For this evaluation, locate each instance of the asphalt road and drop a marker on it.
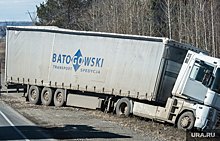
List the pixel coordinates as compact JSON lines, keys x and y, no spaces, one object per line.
{"x":14,"y":126}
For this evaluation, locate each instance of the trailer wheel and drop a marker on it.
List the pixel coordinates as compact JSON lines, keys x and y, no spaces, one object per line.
{"x":47,"y":96}
{"x":123,"y":107}
{"x":59,"y":98}
{"x":34,"y":95}
{"x":186,"y":121}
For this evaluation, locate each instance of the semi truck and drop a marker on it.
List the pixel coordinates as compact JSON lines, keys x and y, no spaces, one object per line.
{"x":150,"y":77}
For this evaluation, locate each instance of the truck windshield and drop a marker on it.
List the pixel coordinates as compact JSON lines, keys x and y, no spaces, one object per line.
{"x":216,"y":84}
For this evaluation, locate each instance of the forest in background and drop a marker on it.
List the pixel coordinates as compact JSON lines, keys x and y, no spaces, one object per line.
{"x":193,"y":22}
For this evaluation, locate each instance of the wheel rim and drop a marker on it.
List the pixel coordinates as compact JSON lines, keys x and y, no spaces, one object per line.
{"x":123,"y":108}
{"x":185,"y":122}
{"x":59,"y":97}
{"x":46,"y":96}
{"x":33,"y":94}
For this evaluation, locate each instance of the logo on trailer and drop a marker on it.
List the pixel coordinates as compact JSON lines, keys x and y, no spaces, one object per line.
{"x":77,"y":61}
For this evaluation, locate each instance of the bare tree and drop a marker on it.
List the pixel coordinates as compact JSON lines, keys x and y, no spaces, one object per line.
{"x":204,"y":25}
{"x":167,"y":6}
{"x":213,"y":32}
{"x":33,"y":17}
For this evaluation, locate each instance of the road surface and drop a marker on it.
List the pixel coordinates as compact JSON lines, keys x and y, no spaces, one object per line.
{"x":14,"y":126}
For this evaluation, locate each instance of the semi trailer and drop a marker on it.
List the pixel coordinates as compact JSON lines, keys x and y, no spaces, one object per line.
{"x":151,"y":77}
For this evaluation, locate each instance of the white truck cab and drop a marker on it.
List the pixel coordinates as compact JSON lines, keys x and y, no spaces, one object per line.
{"x":199,"y":81}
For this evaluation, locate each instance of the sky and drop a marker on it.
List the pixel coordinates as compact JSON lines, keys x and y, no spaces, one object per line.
{"x":16,"y":10}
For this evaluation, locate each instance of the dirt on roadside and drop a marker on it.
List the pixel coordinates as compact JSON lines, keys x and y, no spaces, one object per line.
{"x":145,"y":126}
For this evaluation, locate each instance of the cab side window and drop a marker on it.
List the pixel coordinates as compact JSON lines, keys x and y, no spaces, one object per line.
{"x":199,"y":70}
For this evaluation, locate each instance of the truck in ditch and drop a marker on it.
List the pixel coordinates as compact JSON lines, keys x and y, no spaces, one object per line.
{"x":151,"y":77}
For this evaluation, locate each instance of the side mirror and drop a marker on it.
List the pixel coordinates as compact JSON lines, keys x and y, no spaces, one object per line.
{"x":207,"y":77}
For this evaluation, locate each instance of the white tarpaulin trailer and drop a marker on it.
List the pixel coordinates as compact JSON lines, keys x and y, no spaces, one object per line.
{"x":125,"y":65}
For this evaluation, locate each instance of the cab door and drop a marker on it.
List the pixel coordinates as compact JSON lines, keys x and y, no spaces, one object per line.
{"x":194,"y":87}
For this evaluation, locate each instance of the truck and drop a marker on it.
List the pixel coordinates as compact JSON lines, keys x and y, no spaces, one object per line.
{"x":150,"y":77}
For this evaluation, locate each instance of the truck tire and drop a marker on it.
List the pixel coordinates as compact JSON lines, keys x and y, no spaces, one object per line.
{"x":34,"y":95}
{"x":186,"y":121}
{"x":47,"y":96}
{"x":59,"y":97}
{"x":123,"y":107}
